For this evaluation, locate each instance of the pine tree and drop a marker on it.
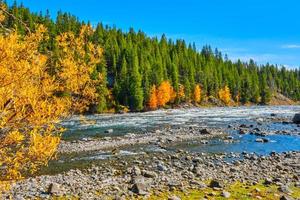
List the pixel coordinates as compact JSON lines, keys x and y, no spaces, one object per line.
{"x":136,"y":97}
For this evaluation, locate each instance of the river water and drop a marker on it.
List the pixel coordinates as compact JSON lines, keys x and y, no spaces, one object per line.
{"x":95,"y":125}
{"x":225,"y":118}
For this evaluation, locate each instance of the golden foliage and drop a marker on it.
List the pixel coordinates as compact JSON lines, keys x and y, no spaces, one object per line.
{"x":225,"y":95}
{"x":197,"y":94}
{"x":153,"y":98}
{"x":77,"y":62}
{"x":30,"y":106}
{"x":2,"y":15}
{"x":165,"y":93}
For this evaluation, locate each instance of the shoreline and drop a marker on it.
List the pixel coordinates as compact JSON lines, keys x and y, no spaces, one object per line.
{"x":145,"y":176}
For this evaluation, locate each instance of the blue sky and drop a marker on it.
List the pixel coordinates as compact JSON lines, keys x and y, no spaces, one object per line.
{"x":265,"y":30}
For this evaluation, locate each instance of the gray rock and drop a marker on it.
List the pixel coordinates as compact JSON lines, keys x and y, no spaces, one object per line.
{"x":149,"y":174}
{"x":174,"y":198}
{"x":286,"y":198}
{"x":109,"y":131}
{"x":136,"y":171}
{"x":140,"y":186}
{"x":229,"y":137}
{"x":225,"y":194}
{"x":268,"y":181}
{"x":55,"y":189}
{"x":296,"y":118}
{"x":204,"y":132}
{"x":161,"y":167}
{"x":285,"y":189}
{"x":215,"y":184}
{"x":259,"y":140}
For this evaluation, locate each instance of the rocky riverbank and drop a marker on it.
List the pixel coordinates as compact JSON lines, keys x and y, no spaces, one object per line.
{"x":159,"y":173}
{"x":158,"y":137}
{"x":174,"y":174}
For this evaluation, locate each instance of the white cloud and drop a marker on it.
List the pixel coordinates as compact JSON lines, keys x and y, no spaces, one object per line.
{"x":291,"y":46}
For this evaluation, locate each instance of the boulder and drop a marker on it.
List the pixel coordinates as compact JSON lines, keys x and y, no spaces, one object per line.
{"x":296,"y":118}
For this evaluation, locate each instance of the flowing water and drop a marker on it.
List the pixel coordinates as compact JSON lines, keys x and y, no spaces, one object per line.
{"x":139,"y":123}
{"x":95,"y":125}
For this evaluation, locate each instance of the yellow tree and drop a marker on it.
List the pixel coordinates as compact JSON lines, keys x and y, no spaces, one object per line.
{"x":28,"y":108}
{"x":153,"y":98}
{"x":225,"y":95}
{"x":197,"y":94}
{"x":77,"y":62}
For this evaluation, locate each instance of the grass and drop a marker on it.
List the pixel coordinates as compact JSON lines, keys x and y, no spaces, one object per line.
{"x":238,"y":191}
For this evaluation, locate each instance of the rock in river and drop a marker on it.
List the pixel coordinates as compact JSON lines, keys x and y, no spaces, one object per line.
{"x":296,"y":118}
{"x":109,"y":131}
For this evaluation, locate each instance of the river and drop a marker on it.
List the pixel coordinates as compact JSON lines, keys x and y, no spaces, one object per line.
{"x":268,"y":119}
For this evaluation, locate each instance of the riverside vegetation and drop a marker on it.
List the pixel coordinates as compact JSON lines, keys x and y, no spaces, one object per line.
{"x":50,"y":70}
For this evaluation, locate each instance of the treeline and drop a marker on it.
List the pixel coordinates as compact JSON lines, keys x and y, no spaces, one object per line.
{"x":143,"y":72}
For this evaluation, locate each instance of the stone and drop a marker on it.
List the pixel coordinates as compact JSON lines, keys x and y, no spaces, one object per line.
{"x":204,"y":132}
{"x":268,"y":181}
{"x":215,"y":184}
{"x":149,"y":174}
{"x":225,"y":194}
{"x":285,"y":198}
{"x":55,"y":189}
{"x":136,"y":171}
{"x":174,"y":198}
{"x":284,"y":189}
{"x":109,"y":131}
{"x":161,"y":167}
{"x":229,"y":137}
{"x":140,"y":186}
{"x":296,"y":118}
{"x":259,"y":140}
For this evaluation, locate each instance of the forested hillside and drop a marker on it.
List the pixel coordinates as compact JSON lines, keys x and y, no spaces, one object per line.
{"x":147,"y":73}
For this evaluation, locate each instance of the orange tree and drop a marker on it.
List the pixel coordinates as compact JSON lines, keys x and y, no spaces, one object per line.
{"x":165,"y":93}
